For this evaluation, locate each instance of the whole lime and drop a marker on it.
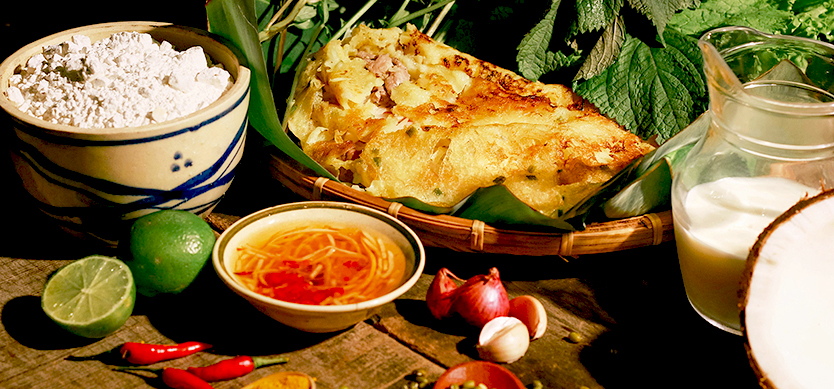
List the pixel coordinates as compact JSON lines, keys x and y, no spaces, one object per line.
{"x":90,"y":297}
{"x":168,"y":249}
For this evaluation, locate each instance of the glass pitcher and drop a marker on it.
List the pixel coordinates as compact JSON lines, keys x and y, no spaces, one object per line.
{"x":770,"y":142}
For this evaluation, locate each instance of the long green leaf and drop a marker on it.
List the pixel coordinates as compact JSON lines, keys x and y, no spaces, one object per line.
{"x":496,"y":205}
{"x":588,"y":210}
{"x":649,"y":191}
{"x":236,"y":21}
{"x":650,"y":186}
{"x":676,"y":148}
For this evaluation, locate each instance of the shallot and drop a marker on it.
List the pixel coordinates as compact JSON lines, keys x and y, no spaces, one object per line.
{"x":441,"y":291}
{"x":479,"y":300}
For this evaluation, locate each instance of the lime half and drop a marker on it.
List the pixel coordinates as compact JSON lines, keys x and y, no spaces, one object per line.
{"x":91,"y":297}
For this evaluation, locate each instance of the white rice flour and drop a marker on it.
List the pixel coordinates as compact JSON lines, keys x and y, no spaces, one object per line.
{"x":126,"y":80}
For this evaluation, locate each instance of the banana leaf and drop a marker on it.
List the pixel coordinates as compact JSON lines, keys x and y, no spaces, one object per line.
{"x":649,"y":191}
{"x":643,"y":185}
{"x":650,"y":187}
{"x":496,"y":205}
{"x":235,"y":20}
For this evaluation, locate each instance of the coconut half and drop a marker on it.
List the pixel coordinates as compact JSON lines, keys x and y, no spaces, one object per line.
{"x":787,"y":312}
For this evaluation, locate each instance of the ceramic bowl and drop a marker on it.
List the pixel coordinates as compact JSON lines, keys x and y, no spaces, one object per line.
{"x":316,"y":318}
{"x":91,"y":180}
{"x":490,"y":374}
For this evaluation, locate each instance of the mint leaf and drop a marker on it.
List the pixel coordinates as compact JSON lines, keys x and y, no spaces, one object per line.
{"x":759,"y":14}
{"x":784,"y":5}
{"x":691,"y":74}
{"x":659,"y":12}
{"x":534,"y":55}
{"x":800,"y":6}
{"x":593,"y":15}
{"x":649,"y":90}
{"x":605,"y":51}
{"x":501,"y":13}
{"x":815,"y":19}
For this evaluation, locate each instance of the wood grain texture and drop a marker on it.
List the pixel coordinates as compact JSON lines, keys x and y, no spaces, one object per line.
{"x":34,"y":353}
{"x":630,"y":307}
{"x":551,"y":358}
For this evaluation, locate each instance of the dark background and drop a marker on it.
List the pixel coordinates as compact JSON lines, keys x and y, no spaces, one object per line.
{"x":661,"y":340}
{"x":25,"y":21}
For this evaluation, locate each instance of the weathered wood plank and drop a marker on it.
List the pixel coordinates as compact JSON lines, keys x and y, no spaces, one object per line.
{"x":363,"y":358}
{"x":630,"y":308}
{"x":36,"y":354}
{"x":638,"y":327}
{"x":551,"y":359}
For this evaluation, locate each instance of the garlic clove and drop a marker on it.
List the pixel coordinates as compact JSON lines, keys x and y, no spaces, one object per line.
{"x":531,"y":312}
{"x":503,"y":339}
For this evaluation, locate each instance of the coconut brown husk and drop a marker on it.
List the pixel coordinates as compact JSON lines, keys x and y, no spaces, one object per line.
{"x":765,"y":381}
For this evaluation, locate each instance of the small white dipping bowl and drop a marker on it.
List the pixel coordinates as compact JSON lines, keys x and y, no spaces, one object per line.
{"x":317,"y":318}
{"x":91,"y":181}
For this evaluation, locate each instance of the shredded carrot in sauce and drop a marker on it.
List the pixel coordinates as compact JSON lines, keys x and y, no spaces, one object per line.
{"x":322,"y":265}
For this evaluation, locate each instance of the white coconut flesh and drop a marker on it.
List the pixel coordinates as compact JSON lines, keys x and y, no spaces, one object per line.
{"x":788,"y":305}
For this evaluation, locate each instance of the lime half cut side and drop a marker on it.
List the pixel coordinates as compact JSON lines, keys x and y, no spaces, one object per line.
{"x":90,"y":297}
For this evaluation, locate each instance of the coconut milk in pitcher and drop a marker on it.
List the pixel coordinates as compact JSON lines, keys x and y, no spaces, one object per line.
{"x":770,"y":143}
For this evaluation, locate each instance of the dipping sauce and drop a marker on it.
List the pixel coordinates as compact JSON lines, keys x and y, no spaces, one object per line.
{"x":725,"y":219}
{"x":323,"y":264}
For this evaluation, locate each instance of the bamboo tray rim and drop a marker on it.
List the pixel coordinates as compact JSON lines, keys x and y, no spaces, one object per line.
{"x":467,"y":235}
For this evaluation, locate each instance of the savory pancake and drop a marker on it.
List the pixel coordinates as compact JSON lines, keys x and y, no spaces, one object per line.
{"x":402,"y":115}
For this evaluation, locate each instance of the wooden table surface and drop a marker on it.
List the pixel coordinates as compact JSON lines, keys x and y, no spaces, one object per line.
{"x":639,"y":330}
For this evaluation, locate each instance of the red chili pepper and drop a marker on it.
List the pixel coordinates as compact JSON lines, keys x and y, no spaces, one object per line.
{"x":224,"y":370}
{"x":232,"y":368}
{"x":146,"y":354}
{"x":181,"y":379}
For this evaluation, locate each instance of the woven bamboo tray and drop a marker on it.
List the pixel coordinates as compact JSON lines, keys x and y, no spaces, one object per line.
{"x":474,"y":235}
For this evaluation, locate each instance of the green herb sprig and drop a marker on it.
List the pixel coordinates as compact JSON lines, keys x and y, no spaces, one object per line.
{"x":277,"y":37}
{"x":638,"y":61}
